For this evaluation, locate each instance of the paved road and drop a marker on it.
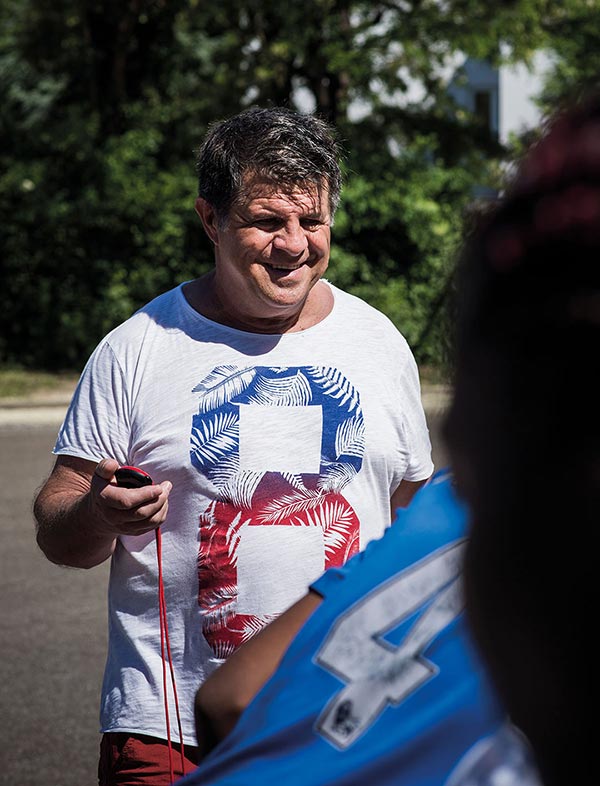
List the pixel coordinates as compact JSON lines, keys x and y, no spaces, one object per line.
{"x":53,"y":635}
{"x":53,"y":625}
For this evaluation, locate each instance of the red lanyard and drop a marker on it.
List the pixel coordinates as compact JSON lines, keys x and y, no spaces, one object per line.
{"x":165,"y":647}
{"x":128,"y":476}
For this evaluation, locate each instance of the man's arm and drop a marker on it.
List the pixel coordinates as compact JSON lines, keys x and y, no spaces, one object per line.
{"x":227,"y":692}
{"x":80,"y":511}
{"x":404,"y":493}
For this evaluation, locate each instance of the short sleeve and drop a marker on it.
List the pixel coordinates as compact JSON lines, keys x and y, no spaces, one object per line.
{"x":414,"y":425}
{"x":96,"y":425}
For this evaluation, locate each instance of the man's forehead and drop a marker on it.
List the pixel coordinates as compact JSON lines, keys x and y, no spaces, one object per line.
{"x":307,"y":195}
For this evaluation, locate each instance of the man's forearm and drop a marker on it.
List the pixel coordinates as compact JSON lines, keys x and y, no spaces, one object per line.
{"x":81,"y":511}
{"x":67,"y":532}
{"x":227,"y":692}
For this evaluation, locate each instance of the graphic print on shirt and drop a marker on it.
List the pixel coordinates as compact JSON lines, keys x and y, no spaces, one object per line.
{"x":429,"y":597}
{"x":279,"y":445}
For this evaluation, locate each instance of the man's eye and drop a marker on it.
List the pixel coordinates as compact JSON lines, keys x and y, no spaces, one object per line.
{"x":311,"y":223}
{"x":266,"y":223}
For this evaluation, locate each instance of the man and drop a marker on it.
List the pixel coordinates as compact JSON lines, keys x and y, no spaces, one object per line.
{"x":280,"y":418}
{"x":371,"y":678}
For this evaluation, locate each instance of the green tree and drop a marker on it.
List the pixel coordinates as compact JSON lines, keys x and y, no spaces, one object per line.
{"x":573,"y":38}
{"x":97,"y":183}
{"x":103,"y":102}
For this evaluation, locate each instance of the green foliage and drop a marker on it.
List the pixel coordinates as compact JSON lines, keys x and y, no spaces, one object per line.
{"x":81,"y":253}
{"x":574,"y":41}
{"x":103,"y":103}
{"x":95,"y":223}
{"x":396,"y":235}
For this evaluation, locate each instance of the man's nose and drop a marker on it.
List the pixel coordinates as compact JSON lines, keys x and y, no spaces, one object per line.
{"x":291,"y":239}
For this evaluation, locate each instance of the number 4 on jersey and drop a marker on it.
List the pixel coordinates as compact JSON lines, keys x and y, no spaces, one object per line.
{"x":378,"y":673}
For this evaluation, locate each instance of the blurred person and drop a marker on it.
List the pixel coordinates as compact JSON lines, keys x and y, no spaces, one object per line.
{"x":279,"y":417}
{"x":523,"y":435}
{"x":371,"y":678}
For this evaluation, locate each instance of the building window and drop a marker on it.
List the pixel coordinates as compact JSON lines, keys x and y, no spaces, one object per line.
{"x":483,"y":108}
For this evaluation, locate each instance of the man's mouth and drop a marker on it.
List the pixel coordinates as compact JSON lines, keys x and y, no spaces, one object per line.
{"x":284,"y":268}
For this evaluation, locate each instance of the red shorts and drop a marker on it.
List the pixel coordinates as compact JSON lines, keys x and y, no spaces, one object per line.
{"x":138,"y":760}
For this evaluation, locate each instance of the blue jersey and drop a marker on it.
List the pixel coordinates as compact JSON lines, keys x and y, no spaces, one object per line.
{"x":381,"y":685}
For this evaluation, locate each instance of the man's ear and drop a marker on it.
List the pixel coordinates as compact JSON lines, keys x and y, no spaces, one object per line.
{"x":208,"y":217}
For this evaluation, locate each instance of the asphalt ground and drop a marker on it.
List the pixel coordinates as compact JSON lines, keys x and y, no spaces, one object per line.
{"x":53,"y":632}
{"x":54,"y":619}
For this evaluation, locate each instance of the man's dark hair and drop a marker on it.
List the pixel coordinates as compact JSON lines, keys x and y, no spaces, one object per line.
{"x":277,"y":145}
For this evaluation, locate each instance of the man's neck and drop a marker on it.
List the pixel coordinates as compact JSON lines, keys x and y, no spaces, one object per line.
{"x":202,"y":295}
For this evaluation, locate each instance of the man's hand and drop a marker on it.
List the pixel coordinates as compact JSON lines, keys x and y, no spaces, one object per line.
{"x":81,"y":511}
{"x":122,"y":511}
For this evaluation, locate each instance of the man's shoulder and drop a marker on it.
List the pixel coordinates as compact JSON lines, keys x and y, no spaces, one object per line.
{"x":167,"y":303}
{"x":356,"y":311}
{"x":161,"y":313}
{"x":350,"y":301}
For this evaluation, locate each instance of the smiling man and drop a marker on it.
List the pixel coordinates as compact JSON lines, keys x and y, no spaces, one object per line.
{"x":270,"y":253}
{"x":279,"y":417}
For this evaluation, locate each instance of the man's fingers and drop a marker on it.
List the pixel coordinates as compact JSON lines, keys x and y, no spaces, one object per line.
{"x":106,"y":468}
{"x":129,"y":511}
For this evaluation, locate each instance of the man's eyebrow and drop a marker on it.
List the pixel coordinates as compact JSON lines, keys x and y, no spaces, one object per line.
{"x":320,"y":213}
{"x":268,"y":212}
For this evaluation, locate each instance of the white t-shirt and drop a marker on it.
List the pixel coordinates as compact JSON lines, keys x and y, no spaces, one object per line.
{"x":283,"y":451}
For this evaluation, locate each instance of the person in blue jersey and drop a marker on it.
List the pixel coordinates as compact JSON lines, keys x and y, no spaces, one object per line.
{"x":523,"y":433}
{"x":380,"y":685}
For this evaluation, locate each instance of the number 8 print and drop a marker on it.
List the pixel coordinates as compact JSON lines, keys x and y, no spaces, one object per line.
{"x":279,"y":444}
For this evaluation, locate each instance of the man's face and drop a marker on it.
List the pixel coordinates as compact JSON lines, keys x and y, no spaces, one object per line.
{"x":272,"y":250}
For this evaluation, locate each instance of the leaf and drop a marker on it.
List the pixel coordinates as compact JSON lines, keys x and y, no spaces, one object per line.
{"x":240,"y":489}
{"x":225,"y":470}
{"x":218,"y":606}
{"x":336,"y":519}
{"x":223,"y":649}
{"x":285,"y":507}
{"x":236,"y":523}
{"x":336,"y":385}
{"x":254,"y":625}
{"x":294,"y":480}
{"x":336,"y":476}
{"x":282,"y":391}
{"x":352,"y":545}
{"x":350,"y":437}
{"x":216,"y":437}
{"x":223,"y":384}
{"x":209,"y":529}
{"x":209,"y":532}
{"x":234,"y":535}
